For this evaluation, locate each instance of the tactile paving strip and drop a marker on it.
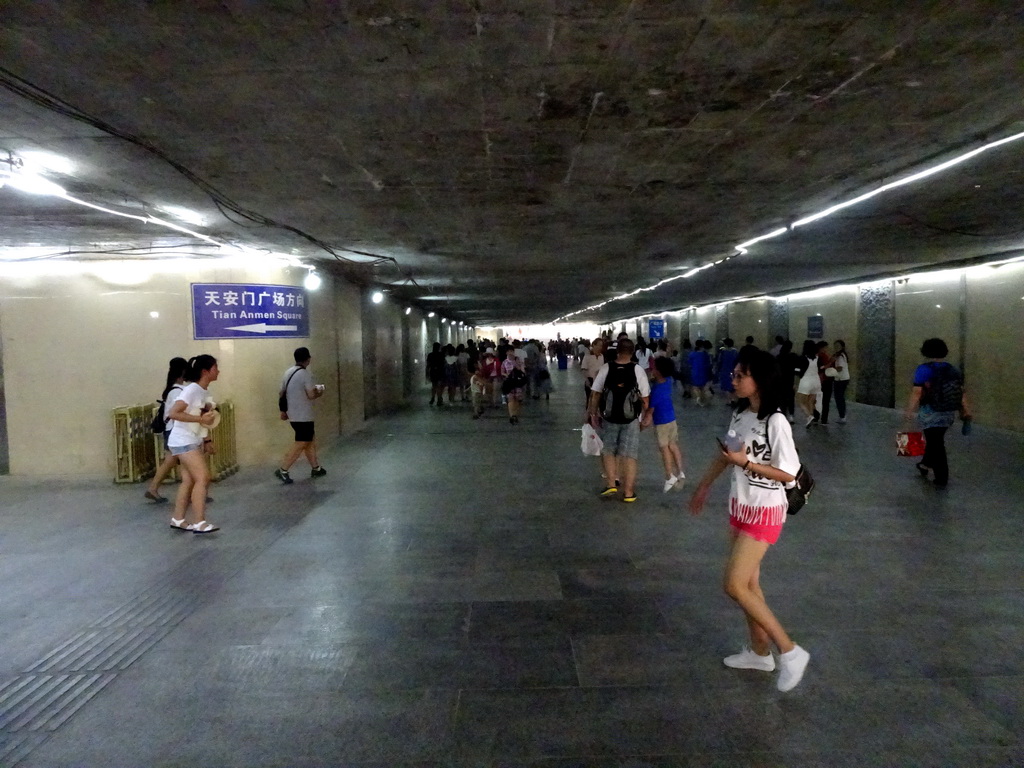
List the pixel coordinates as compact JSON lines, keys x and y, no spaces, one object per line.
{"x":38,"y":702}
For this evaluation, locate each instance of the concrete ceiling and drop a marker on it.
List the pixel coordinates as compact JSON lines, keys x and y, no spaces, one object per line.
{"x":520,"y":160}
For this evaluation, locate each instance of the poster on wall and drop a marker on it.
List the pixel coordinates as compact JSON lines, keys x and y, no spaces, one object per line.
{"x":241,"y":311}
{"x":815,"y":327}
{"x":655,"y":329}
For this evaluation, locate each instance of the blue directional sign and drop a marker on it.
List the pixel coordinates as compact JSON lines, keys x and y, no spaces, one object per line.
{"x":815,"y":327}
{"x":655,"y":329}
{"x":237,"y":311}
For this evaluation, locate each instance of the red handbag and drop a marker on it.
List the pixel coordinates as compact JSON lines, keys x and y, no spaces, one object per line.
{"x":910,"y":443}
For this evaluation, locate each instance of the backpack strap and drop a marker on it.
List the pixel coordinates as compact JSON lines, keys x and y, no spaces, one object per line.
{"x":292,"y":376}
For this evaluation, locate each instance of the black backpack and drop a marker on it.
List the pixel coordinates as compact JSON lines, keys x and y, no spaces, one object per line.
{"x":159,"y":423}
{"x":621,"y":402}
{"x":516,"y":379}
{"x":944,"y":390}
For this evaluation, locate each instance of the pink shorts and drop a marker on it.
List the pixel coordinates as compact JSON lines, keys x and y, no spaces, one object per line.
{"x":769,"y":534}
{"x":758,"y":522}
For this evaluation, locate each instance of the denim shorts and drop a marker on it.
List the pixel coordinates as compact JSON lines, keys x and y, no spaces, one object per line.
{"x":178,"y":450}
{"x":621,"y":439}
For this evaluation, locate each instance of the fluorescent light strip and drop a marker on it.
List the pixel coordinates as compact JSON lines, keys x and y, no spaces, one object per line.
{"x":36,"y":184}
{"x":909,"y":179}
{"x":821,"y":292}
{"x":742,"y":248}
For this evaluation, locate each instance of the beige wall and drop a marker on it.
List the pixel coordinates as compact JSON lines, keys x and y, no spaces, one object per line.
{"x":926,"y":307}
{"x":387,"y":323}
{"x":749,"y":318}
{"x":349,"y":357}
{"x":76,"y":346}
{"x":994,"y":354}
{"x":703,"y":320}
{"x":838,"y":308}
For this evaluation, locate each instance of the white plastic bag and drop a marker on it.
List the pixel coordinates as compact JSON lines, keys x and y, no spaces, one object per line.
{"x":591,"y":444}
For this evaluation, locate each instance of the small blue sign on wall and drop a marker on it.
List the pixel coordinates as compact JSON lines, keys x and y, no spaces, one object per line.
{"x":655,"y":329}
{"x":239,"y":311}
{"x":815,"y":327}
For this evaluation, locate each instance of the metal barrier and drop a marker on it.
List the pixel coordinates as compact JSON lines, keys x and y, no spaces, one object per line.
{"x":138,"y":451}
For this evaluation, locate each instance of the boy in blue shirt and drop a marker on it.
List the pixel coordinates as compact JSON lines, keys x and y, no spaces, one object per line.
{"x":663,"y":415}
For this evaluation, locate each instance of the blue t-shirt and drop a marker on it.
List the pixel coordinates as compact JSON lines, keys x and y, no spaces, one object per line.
{"x":926,"y":416}
{"x":661,"y":402}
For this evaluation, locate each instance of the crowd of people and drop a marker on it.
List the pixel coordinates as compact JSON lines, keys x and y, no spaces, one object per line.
{"x":490,"y":374}
{"x":628,"y":387}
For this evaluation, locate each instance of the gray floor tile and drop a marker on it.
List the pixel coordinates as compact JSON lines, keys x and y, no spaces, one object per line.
{"x":454,"y":594}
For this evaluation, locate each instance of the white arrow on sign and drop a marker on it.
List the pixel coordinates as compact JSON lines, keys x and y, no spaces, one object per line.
{"x":263,"y":328}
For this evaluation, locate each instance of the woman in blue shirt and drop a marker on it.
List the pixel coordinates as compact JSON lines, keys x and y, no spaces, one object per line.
{"x":936,"y":397}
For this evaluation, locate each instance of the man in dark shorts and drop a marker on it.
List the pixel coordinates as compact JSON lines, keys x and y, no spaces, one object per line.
{"x":297,"y":385}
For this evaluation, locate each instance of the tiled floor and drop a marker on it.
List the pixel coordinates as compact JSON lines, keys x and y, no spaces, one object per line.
{"x":454,"y":593}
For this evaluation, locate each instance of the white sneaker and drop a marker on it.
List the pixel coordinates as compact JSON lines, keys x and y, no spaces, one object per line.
{"x":680,"y":481}
{"x":747,"y":659}
{"x":791,"y":667}
{"x":670,"y":483}
{"x":842,"y":419}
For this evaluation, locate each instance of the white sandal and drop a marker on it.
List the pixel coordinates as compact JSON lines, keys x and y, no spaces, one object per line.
{"x":178,"y":525}
{"x":203,"y":527}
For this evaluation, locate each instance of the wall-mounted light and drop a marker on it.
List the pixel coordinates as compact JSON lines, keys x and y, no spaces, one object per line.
{"x":154,"y":315}
{"x":312,"y":281}
{"x":408,"y":310}
{"x":377,"y":297}
{"x":430,"y":314}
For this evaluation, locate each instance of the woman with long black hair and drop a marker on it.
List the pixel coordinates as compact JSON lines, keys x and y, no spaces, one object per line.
{"x":760,"y":448}
{"x":175,"y":383}
{"x":190,"y":413}
{"x":809,"y":386}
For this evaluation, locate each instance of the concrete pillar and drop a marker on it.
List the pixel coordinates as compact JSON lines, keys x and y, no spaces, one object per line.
{"x":876,"y":351}
{"x":721,"y":324}
{"x":778,"y":320}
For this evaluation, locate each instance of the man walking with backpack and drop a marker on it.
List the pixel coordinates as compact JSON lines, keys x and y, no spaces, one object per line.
{"x":295,"y":400}
{"x":619,"y":399}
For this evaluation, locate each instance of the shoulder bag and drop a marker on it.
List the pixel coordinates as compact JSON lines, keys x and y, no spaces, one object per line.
{"x":800,"y":492}
{"x":282,"y":398}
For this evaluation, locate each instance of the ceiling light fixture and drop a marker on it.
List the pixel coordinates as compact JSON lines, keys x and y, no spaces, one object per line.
{"x":408,"y":310}
{"x":377,"y":297}
{"x":430,"y":314}
{"x":47,"y":161}
{"x":312,"y":281}
{"x":184,"y":214}
{"x":742,"y":248}
{"x":34,"y":184}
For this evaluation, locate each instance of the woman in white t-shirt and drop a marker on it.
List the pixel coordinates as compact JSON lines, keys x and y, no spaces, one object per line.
{"x":762,"y":467}
{"x":643,"y":357}
{"x":809,"y":386}
{"x":191,"y":415}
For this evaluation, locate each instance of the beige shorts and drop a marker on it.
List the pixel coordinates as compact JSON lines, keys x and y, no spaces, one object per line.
{"x":667,"y":433}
